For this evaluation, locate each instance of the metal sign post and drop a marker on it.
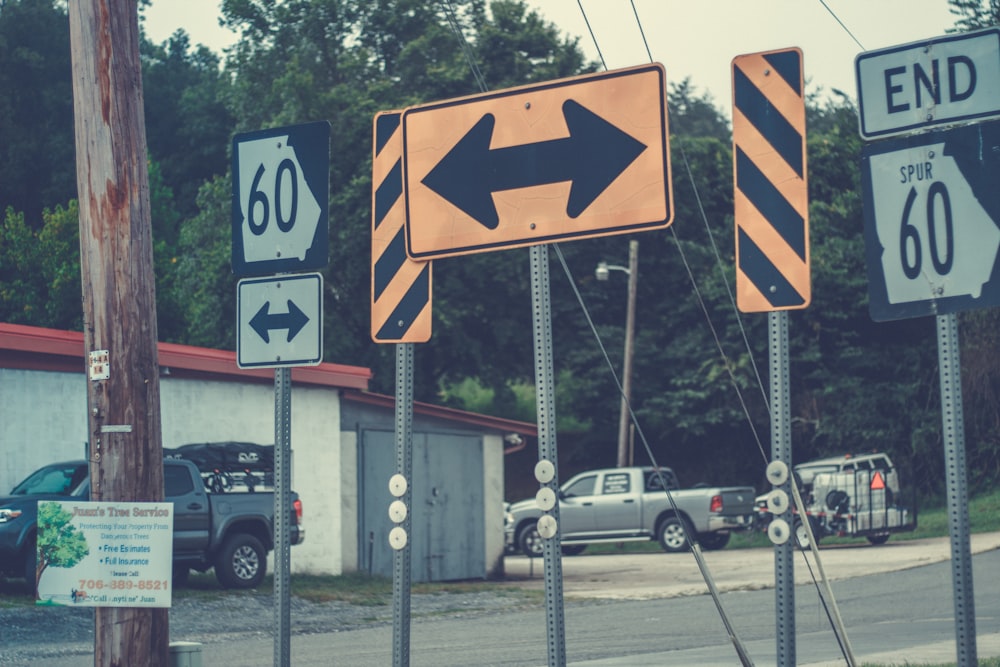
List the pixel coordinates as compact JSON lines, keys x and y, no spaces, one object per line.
{"x":953,"y":431}
{"x":282,"y":512}
{"x":547,"y":453}
{"x":401,"y":556}
{"x":280,"y":225}
{"x":930,"y":234}
{"x":771,"y":209}
{"x":781,"y":450}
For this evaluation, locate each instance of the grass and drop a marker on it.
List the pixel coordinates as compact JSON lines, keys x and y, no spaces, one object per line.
{"x":352,"y":587}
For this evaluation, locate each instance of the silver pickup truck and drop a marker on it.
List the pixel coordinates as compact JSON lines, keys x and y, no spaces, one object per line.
{"x":630,"y":505}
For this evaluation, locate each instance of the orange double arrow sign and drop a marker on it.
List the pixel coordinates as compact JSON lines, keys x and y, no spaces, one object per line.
{"x":575,"y":158}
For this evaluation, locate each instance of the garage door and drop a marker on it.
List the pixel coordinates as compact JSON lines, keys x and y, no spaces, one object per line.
{"x":447,"y":532}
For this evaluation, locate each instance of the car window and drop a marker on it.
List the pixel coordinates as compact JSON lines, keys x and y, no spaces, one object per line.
{"x":176,"y":481}
{"x":54,"y":479}
{"x":617,"y":482}
{"x":655,"y":480}
{"x":581,"y":487}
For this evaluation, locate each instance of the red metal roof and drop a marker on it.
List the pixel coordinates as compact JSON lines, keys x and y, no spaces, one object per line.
{"x":36,"y":348}
{"x":523,"y":429}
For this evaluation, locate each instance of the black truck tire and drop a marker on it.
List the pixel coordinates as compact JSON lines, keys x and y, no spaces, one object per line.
{"x":242,"y":562}
{"x":530,"y":541}
{"x":713,"y":541}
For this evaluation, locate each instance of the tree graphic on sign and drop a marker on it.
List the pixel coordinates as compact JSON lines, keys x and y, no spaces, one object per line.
{"x":60,"y":543}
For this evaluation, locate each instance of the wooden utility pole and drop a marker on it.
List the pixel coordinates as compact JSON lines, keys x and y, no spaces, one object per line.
{"x":119,"y":303}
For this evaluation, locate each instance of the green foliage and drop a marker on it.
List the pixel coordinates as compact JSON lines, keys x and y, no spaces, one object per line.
{"x":975,"y":14}
{"x":204,"y":284}
{"x":188,"y":127}
{"x":36,"y":108}
{"x":40,"y":270}
{"x":699,"y":385}
{"x":60,"y":544}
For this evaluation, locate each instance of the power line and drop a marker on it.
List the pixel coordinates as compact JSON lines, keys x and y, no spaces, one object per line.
{"x":837,"y":19}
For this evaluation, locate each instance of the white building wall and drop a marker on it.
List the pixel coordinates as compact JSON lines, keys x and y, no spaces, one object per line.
{"x":348,"y":502}
{"x":43,"y":418}
{"x":211,"y":411}
{"x":493,"y":499}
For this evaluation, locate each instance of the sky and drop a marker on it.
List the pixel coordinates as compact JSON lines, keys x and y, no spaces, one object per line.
{"x":694,"y":39}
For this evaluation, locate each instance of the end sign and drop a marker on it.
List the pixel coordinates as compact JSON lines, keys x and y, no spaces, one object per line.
{"x":930,"y":83}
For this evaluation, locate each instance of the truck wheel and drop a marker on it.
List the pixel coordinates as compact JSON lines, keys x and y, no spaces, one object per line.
{"x":878,"y":539}
{"x":713,"y":541}
{"x":673,"y":534}
{"x":242,"y":562}
{"x":530,"y":541}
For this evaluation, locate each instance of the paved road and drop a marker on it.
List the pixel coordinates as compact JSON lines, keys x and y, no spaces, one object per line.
{"x":625,"y":610}
{"x":894,"y":617}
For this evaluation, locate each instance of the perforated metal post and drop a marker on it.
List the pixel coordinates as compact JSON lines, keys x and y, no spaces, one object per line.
{"x":404,"y":462}
{"x":545,"y":397}
{"x":282,"y":512}
{"x":781,"y":450}
{"x":953,"y":432}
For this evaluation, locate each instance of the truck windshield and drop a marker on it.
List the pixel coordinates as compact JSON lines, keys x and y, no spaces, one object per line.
{"x":57,"y":479}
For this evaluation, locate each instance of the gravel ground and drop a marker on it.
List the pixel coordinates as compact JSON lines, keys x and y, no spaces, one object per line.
{"x":29,"y":634}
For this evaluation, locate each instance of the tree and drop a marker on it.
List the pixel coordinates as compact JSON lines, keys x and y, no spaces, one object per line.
{"x":204,"y":283}
{"x":974,"y":14}
{"x":188,"y":127}
{"x":40,"y":269}
{"x":36,"y":108}
{"x":60,"y":543}
{"x":856,"y":384}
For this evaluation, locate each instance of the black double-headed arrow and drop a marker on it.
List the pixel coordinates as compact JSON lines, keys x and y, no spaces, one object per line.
{"x":263,"y":322}
{"x":594,"y":155}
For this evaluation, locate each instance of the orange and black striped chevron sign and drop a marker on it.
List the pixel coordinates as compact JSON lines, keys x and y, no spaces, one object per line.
{"x":769,"y":175}
{"x":401,"y":287}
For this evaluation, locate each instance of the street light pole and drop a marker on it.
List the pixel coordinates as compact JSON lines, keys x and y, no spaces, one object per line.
{"x":603,"y":269}
{"x":623,"y":418}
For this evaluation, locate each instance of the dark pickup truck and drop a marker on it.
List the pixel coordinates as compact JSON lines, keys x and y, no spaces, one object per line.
{"x":232,"y":532}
